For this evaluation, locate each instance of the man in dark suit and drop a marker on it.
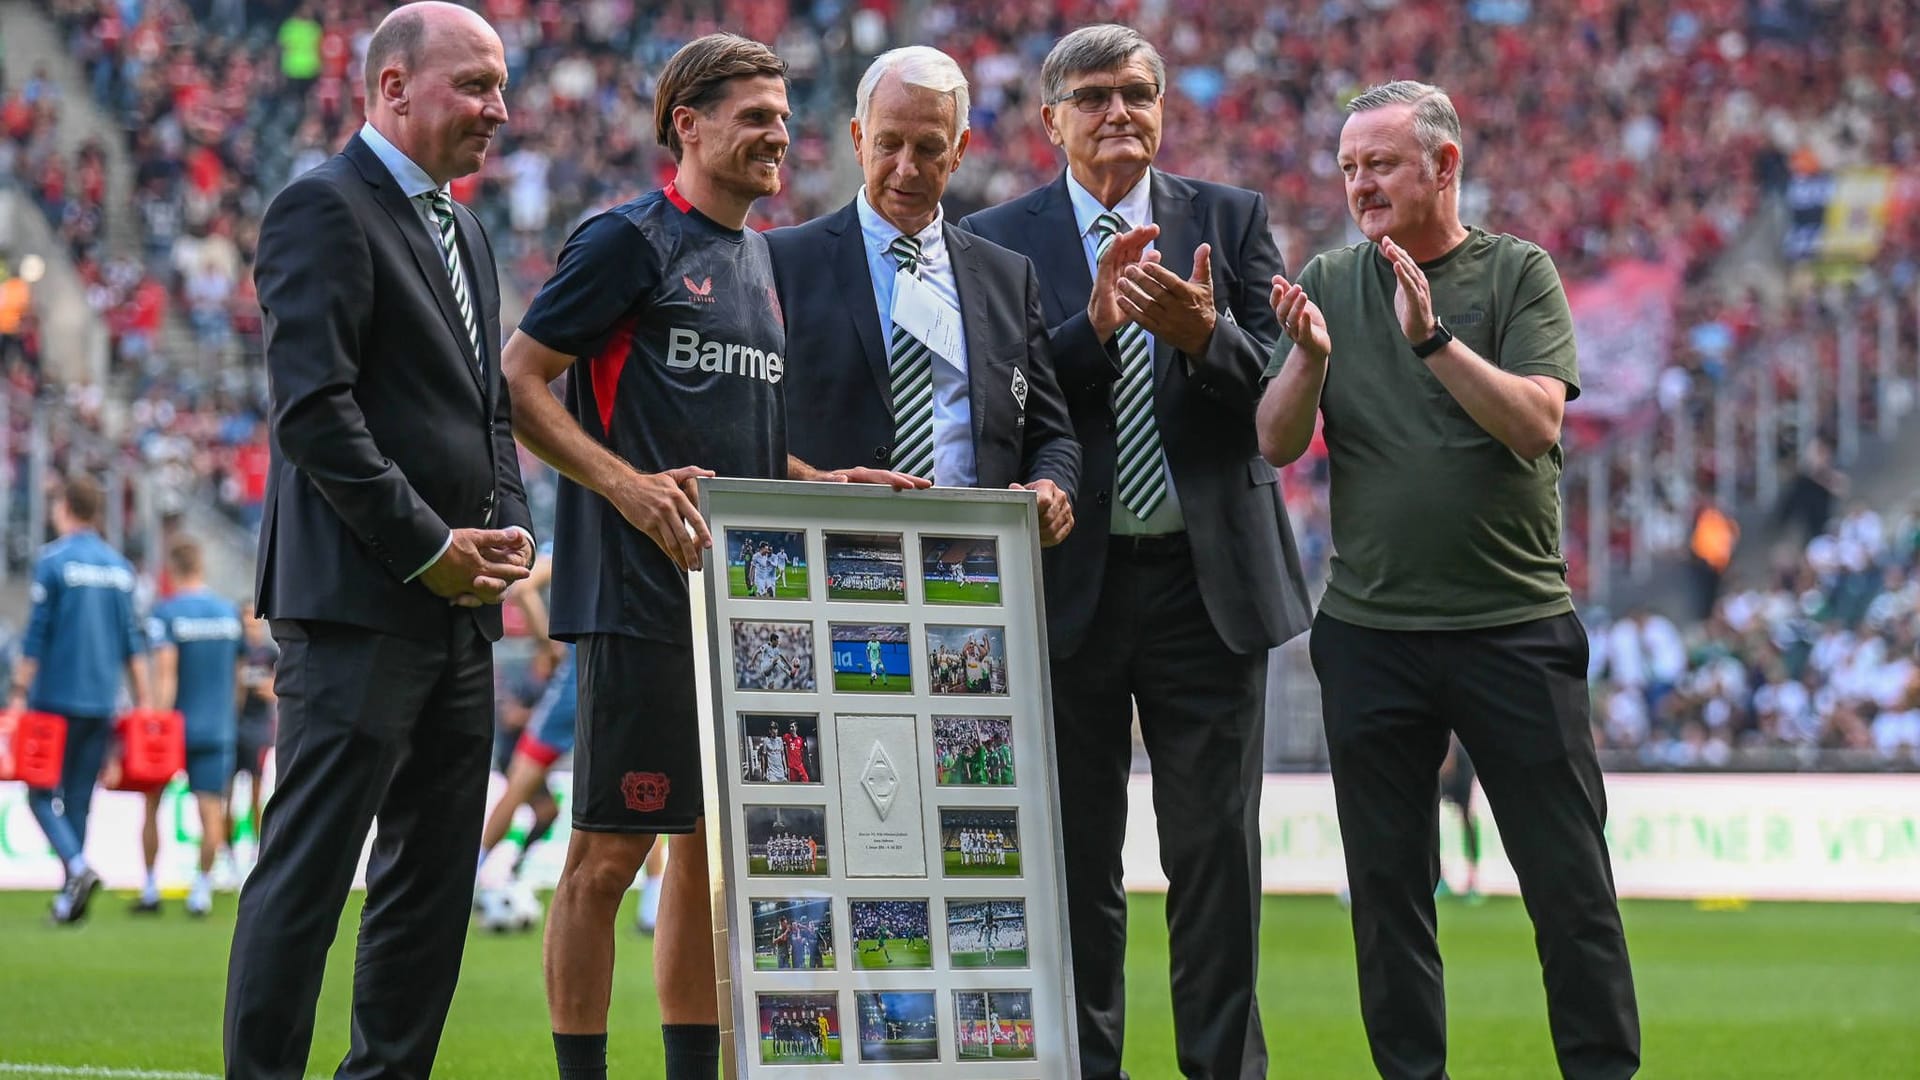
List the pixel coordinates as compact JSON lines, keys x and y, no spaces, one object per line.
{"x":1182,"y":572}
{"x":978,"y":404}
{"x":394,"y":519}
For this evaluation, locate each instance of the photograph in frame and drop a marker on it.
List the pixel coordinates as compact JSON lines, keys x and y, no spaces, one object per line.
{"x":786,"y":841}
{"x":897,"y":1025}
{"x":799,"y":1028}
{"x":774,"y":656}
{"x":766,"y":564}
{"x":872,"y":658}
{"x":780,"y":748}
{"x":973,"y":751}
{"x":980,"y":842}
{"x":993,"y":1025}
{"x":793,"y":934}
{"x":890,"y":935}
{"x":967,"y":660}
{"x":987,"y":933}
{"x":866,"y":566}
{"x":960,"y":569}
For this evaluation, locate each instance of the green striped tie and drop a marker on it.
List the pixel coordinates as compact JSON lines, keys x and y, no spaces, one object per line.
{"x":1141,"y":475}
{"x":910,"y":371}
{"x":449,"y":250}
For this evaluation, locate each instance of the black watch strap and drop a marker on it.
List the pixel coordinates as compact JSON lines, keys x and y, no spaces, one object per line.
{"x":1441,"y":335}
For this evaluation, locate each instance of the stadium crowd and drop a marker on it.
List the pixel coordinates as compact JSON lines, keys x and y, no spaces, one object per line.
{"x":1820,"y":656}
{"x":1658,"y":142}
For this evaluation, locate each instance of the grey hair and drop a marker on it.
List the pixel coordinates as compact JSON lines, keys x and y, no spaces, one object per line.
{"x":1102,"y":47}
{"x":922,"y":66}
{"x":1435,"y":123}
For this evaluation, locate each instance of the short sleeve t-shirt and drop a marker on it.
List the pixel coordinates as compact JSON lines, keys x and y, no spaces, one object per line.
{"x":1436,"y":524}
{"x":680,"y":345}
{"x":205,"y":630}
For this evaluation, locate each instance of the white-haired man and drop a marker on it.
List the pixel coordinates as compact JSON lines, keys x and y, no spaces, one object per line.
{"x":927,"y":341}
{"x":1442,"y":358}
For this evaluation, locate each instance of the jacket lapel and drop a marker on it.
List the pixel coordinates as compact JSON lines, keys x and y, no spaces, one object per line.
{"x":425,"y":249}
{"x":971,"y":284}
{"x":854,"y":283}
{"x":1176,"y":212}
{"x":1061,"y":257}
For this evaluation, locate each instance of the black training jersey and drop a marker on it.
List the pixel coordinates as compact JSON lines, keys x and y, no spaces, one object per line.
{"x":681,"y":349}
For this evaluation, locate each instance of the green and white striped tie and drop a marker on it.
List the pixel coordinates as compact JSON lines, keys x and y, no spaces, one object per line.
{"x":910,"y":371}
{"x":450,"y":251}
{"x":1141,"y":473}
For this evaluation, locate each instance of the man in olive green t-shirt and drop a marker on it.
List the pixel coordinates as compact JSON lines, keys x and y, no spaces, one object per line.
{"x":1441,"y":359}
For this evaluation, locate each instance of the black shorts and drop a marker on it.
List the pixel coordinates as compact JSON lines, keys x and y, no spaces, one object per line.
{"x":250,"y":747}
{"x":636,"y":754}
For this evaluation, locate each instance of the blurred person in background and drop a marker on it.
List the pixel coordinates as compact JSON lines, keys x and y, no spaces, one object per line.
{"x":253,"y":735}
{"x":196,"y":638}
{"x":81,"y":636}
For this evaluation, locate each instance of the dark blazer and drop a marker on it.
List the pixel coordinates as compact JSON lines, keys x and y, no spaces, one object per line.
{"x":1243,"y":547}
{"x":839,"y":398}
{"x":384,"y":434}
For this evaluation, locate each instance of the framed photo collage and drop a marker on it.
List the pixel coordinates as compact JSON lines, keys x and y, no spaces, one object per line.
{"x":889,"y":894}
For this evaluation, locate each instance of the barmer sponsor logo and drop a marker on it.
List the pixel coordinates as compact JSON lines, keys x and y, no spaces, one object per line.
{"x":686,"y":350}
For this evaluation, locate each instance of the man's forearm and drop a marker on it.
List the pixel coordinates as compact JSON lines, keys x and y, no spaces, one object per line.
{"x":1511,"y":408}
{"x":544,"y":426}
{"x":1284,"y":420}
{"x":800,"y":470}
{"x":23,"y":675}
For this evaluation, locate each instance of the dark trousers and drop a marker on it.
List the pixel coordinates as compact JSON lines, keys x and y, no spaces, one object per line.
{"x":1517,"y":697}
{"x":373,"y":727}
{"x":62,"y":811}
{"x":1152,"y":646}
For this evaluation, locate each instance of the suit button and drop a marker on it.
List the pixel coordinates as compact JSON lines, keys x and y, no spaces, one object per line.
{"x":880,"y":455}
{"x":1103,"y":498}
{"x":1110,"y":425}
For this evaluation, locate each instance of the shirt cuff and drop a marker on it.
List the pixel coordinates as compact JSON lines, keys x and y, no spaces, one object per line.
{"x":428,"y":565}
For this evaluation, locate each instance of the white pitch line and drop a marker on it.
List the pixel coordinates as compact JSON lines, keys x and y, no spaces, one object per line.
{"x":16,"y":1068}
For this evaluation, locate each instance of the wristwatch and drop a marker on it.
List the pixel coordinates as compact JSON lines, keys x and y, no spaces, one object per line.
{"x":1441,"y":335}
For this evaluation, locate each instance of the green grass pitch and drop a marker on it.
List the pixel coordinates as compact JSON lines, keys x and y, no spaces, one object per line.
{"x":767,"y":1054}
{"x":973,"y":592}
{"x":766,"y":962}
{"x":900,"y":955}
{"x":1002,"y":958}
{"x":794,"y":589}
{"x":955,"y":868}
{"x":1774,"y":992}
{"x":855,"y":682}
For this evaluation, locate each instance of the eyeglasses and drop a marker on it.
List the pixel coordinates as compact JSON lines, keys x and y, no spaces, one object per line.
{"x":1137,"y":97}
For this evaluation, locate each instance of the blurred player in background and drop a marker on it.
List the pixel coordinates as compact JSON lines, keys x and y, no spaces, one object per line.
{"x":196,"y":638}
{"x":81,"y":635}
{"x":253,"y":734}
{"x":1456,"y":787}
{"x":544,"y":735}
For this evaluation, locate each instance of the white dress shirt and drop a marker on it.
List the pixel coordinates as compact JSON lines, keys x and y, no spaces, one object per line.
{"x":953,"y":464}
{"x":414,"y":184}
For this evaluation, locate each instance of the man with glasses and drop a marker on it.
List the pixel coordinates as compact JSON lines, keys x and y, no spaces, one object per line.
{"x":1182,"y":571}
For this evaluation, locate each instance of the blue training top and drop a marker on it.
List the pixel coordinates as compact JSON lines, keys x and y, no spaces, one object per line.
{"x":206,"y":631}
{"x":83,"y":629}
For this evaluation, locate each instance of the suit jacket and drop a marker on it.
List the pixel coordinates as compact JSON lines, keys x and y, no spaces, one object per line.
{"x":1244,"y":552}
{"x":839,"y":397}
{"x":384,"y":435}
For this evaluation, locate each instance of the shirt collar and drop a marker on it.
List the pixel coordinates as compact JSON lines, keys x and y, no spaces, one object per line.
{"x":413,"y":180}
{"x":879,"y":232}
{"x":1136,"y":206}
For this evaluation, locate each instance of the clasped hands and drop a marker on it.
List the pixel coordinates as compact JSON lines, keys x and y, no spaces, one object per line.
{"x":1130,"y":285}
{"x":478,"y":565}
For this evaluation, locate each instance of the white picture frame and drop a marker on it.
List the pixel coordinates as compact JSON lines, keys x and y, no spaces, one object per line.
{"x":915,"y":832}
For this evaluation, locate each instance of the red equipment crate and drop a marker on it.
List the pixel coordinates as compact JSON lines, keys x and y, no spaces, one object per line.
{"x":32,"y":747}
{"x":153,"y":747}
